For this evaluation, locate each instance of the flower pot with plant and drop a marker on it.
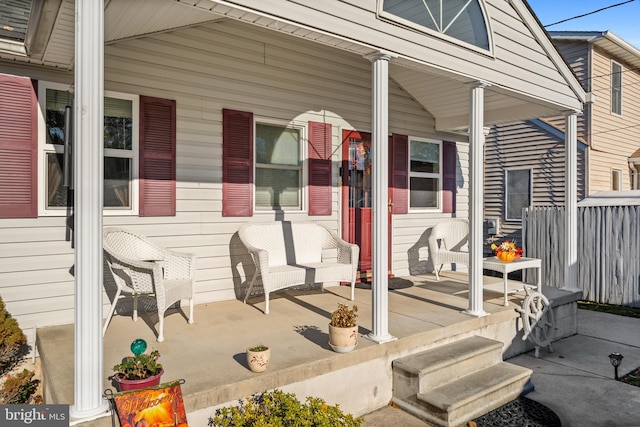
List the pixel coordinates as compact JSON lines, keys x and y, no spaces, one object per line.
{"x":139,"y":371}
{"x":343,"y":329}
{"x":258,"y":358}
{"x":507,"y":251}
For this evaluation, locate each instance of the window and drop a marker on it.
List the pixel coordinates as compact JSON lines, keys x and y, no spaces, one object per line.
{"x":120,"y":150}
{"x":616,"y":179}
{"x":279,"y":166}
{"x":518,"y":192}
{"x":616,"y":88}
{"x":462,"y":20}
{"x":425,"y":174}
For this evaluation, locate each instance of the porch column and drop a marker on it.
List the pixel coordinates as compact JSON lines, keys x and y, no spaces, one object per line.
{"x":380,"y":179}
{"x":88,"y":150}
{"x":571,"y":201}
{"x":476,"y":202}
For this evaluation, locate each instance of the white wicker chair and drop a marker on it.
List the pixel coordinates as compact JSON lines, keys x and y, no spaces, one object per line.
{"x":449,"y":243}
{"x":140,"y":267}
{"x":290,"y":253}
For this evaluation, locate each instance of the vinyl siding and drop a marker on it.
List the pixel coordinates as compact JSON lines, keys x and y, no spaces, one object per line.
{"x":577,"y":55}
{"x":523,"y":145}
{"x":411,"y":231}
{"x":205,"y":69}
{"x":518,"y":60}
{"x":614,"y":137}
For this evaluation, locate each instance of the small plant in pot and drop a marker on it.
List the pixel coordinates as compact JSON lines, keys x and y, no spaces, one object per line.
{"x":139,"y":371}
{"x":343,"y":328}
{"x":258,"y":358}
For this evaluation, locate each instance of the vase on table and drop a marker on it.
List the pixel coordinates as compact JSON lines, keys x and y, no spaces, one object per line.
{"x":505,"y":256}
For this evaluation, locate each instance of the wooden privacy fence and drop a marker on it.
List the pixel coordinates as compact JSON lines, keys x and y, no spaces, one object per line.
{"x":608,"y":250}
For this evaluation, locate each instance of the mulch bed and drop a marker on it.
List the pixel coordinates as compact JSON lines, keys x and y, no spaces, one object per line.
{"x":632,"y":378}
{"x":519,"y":413}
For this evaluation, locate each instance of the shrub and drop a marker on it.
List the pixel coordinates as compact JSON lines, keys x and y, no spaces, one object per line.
{"x":279,"y":409}
{"x":11,"y":340}
{"x":18,"y":387}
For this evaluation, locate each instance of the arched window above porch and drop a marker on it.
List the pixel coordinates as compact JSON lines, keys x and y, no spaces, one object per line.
{"x":463,"y":20}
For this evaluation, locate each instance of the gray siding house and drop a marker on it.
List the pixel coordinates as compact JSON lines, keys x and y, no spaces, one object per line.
{"x":525,"y":165}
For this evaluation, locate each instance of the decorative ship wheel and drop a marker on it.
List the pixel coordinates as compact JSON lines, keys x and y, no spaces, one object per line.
{"x":537,"y":320}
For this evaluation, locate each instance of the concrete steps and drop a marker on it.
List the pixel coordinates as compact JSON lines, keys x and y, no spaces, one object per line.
{"x":454,"y":383}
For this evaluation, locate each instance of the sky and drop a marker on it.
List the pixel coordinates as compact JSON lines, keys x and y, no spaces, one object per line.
{"x":623,"y":20}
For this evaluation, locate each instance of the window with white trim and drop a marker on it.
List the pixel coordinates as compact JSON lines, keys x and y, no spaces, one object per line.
{"x":616,"y":179}
{"x":518,"y":192}
{"x":462,"y":20}
{"x":616,"y":88}
{"x":279,"y":174}
{"x":425,"y":174}
{"x":120,"y":150}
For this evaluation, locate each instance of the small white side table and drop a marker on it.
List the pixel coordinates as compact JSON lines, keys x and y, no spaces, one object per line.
{"x":494,"y":264}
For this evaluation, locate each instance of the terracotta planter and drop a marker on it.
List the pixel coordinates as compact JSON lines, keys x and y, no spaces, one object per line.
{"x":343,"y":340}
{"x":506,"y":256}
{"x":258,"y":361}
{"x":125,"y":385}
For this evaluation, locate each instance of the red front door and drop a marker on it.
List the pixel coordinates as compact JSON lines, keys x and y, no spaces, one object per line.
{"x":357,"y":197}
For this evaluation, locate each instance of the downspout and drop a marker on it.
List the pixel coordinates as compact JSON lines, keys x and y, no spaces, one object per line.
{"x":634,"y":182}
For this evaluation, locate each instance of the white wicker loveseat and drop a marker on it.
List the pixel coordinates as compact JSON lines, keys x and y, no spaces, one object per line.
{"x":140,"y":267}
{"x":449,"y":243}
{"x":291,"y":253}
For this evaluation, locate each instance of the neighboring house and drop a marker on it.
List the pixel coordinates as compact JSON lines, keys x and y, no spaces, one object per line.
{"x":525,"y":166}
{"x":525,"y":159}
{"x":217,"y":113}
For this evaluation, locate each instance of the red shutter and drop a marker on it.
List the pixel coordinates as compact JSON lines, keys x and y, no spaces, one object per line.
{"x":399,"y":173}
{"x":18,"y":147}
{"x":237,"y":163}
{"x":448,"y":177}
{"x":157,"y":157}
{"x":319,"y":168}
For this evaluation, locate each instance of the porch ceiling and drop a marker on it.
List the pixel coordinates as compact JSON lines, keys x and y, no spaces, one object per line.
{"x":442,"y":92}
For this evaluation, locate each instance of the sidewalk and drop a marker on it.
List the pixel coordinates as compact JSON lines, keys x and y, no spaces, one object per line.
{"x":576,"y":380}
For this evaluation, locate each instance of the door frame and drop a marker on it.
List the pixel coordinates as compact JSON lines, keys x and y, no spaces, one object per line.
{"x":348,"y":216}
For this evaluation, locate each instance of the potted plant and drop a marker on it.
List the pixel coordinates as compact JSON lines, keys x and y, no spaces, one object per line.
{"x":343,"y":329}
{"x":141,"y":370}
{"x":258,"y":358}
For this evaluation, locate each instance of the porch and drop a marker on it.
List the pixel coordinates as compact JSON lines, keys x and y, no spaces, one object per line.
{"x":209,"y":354}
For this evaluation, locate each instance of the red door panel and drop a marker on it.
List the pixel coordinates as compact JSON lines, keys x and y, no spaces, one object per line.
{"x":356,"y":197}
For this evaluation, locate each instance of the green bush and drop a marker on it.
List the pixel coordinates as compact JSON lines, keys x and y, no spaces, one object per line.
{"x":18,"y":387}
{"x":279,"y":409}
{"x":11,"y":340}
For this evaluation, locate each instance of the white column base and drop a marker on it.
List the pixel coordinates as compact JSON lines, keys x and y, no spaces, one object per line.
{"x":380,"y":339}
{"x":78,"y":417}
{"x":480,"y":313}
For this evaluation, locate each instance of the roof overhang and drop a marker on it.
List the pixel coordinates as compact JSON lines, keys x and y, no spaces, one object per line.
{"x":442,"y":87}
{"x":605,"y":40}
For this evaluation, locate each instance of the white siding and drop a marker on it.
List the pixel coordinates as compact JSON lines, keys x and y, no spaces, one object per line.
{"x":206,"y":69}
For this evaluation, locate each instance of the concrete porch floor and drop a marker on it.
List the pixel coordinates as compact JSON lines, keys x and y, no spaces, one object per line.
{"x":210,"y":354}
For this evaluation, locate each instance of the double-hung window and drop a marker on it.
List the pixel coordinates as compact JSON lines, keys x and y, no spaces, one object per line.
{"x":616,"y":88}
{"x":518,"y":192}
{"x":279,"y":167}
{"x":120,"y":150}
{"x":425,"y":174}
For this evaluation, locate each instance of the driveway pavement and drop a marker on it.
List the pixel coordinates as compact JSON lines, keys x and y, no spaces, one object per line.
{"x":576,"y":380}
